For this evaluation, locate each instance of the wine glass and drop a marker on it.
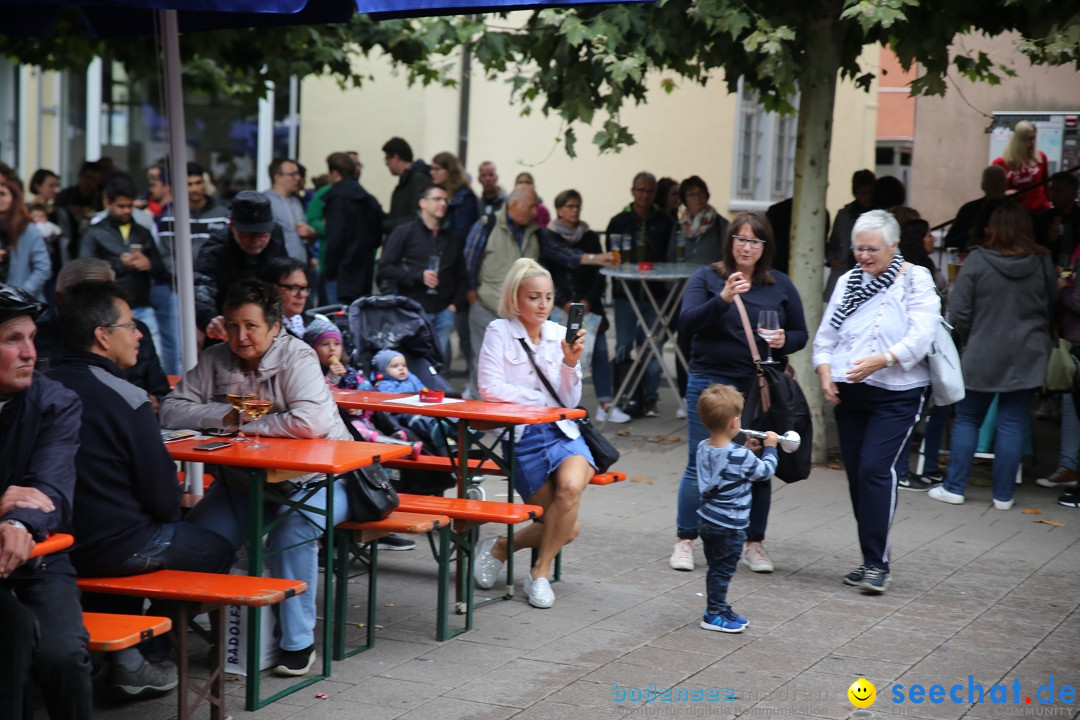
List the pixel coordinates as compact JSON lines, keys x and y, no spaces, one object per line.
{"x":257,"y":403}
{"x":768,"y":322}
{"x":433,"y":265}
{"x":239,"y":387}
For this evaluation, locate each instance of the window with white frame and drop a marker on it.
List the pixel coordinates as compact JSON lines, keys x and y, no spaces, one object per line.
{"x":765,"y":154}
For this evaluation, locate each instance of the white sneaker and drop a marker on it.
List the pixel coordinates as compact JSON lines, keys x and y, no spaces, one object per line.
{"x":485,"y":567}
{"x":539,"y":592}
{"x":612,"y":414}
{"x":1003,"y":504}
{"x":681,"y":412}
{"x":682,"y":557}
{"x":755,"y":558}
{"x":940,"y":493}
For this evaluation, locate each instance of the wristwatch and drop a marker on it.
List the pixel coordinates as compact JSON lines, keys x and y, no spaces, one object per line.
{"x":16,"y":523}
{"x":889,"y":360}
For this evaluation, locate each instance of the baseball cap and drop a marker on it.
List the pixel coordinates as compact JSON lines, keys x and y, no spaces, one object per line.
{"x":16,"y":301}
{"x":251,"y":212}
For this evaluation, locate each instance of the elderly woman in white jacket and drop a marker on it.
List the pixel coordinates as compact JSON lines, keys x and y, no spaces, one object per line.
{"x":302,"y":408}
{"x":553,"y":464}
{"x":869,"y":354}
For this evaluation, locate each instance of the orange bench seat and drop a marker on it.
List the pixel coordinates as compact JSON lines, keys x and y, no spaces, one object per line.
{"x":109,"y":633}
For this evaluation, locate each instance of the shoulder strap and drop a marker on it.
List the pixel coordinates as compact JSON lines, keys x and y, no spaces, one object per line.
{"x":763,"y":384}
{"x":543,"y":377}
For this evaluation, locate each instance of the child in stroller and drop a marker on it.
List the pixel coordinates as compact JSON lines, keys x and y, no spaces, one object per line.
{"x":325,"y":337}
{"x":392,"y":375}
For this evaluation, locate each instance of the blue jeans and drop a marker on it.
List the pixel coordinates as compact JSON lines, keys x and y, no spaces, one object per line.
{"x":601,"y":369}
{"x":629,"y":335}
{"x":687,"y":519}
{"x":1070,"y":433}
{"x":443,"y":322}
{"x":224,"y":510}
{"x":179,"y":546}
{"x":723,"y":547}
{"x":1013,"y":409}
{"x":167,"y":312}
{"x":44,"y":640}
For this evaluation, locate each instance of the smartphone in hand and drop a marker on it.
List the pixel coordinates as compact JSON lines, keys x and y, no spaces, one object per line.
{"x":574,"y":319}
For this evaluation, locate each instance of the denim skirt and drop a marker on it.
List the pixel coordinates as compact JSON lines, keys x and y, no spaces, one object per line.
{"x":540,"y":452}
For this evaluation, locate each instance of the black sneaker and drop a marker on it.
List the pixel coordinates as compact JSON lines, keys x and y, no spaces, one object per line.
{"x":855,"y":576}
{"x":911,"y":481}
{"x":393,"y":542}
{"x":874,"y":580}
{"x":295,"y":662}
{"x":651,"y":411}
{"x":935,"y":478}
{"x":1070,"y":499}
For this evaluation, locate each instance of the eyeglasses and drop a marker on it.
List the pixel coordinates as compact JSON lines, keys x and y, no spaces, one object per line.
{"x":756,"y":243}
{"x":132,"y":326}
{"x":436,"y":198}
{"x":866,"y":250}
{"x":572,"y":206}
{"x":296,"y":290}
{"x":645,"y":190}
{"x":695,"y":194}
{"x":292,"y":174}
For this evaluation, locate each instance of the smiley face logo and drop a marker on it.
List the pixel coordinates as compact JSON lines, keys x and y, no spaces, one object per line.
{"x":862,"y":693}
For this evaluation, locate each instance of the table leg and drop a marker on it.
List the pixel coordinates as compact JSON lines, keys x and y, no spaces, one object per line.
{"x":661,"y":328}
{"x":256,"y":497}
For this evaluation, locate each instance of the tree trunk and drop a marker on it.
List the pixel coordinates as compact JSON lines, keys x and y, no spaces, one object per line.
{"x":817,"y":95}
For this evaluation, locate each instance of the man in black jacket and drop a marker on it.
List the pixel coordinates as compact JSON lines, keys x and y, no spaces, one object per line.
{"x":238,"y":252}
{"x":127,"y":246}
{"x":353,"y":220}
{"x":40,"y":617}
{"x":407,"y":261}
{"x":127,"y":508}
{"x":146,"y":372}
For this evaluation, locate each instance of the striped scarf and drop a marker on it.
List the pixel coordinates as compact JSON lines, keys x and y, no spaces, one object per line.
{"x":855,"y":294}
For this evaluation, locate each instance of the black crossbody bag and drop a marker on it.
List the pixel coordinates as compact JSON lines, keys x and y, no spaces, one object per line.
{"x":604,"y":453}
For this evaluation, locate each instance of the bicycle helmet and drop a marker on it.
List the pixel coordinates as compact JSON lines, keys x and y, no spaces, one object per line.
{"x":16,"y":301}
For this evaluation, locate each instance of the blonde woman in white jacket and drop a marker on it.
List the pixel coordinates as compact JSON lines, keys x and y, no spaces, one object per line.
{"x":553,"y":464}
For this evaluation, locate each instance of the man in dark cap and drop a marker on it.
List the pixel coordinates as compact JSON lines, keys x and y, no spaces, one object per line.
{"x":41,"y":625}
{"x":238,"y":252}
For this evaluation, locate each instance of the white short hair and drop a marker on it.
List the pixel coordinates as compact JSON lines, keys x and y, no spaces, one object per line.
{"x":880,"y":223}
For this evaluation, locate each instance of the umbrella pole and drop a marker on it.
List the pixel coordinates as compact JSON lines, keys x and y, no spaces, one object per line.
{"x":184,"y":264}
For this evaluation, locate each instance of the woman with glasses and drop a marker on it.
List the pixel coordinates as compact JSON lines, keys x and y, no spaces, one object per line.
{"x":289,"y":276}
{"x":869,"y":356}
{"x":719,"y":354}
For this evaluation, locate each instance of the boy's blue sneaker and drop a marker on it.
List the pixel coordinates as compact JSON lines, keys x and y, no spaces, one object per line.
{"x":721,"y":623}
{"x":732,"y":615}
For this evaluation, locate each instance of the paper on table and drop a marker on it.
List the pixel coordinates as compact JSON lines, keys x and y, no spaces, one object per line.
{"x":415,"y":400}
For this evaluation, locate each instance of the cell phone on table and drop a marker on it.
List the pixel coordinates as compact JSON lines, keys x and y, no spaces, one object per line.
{"x":574,"y":319}
{"x":217,"y":445}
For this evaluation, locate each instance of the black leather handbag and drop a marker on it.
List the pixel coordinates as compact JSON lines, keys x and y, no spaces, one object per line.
{"x":371,"y":496}
{"x":604,"y":453}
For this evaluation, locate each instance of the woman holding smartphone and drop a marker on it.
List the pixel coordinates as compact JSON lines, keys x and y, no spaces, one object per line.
{"x":553,"y":464}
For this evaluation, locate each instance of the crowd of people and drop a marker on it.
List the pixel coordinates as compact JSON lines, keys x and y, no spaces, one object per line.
{"x":87,"y":292}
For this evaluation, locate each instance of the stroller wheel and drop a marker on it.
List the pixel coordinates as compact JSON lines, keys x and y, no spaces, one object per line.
{"x":475,"y":492}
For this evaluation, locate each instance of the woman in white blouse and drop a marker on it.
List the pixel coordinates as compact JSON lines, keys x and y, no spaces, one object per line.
{"x":869,"y":354}
{"x":553,"y":464}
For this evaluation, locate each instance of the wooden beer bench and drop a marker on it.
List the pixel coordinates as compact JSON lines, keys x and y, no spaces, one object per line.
{"x":109,"y":633}
{"x":196,"y":593}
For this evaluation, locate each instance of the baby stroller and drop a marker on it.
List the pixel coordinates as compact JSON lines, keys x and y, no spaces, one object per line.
{"x":392,"y":321}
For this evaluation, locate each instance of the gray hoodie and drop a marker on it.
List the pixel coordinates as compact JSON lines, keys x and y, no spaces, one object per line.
{"x":1001,"y":307}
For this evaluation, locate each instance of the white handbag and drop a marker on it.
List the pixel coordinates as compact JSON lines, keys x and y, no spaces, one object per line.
{"x":946,"y":377}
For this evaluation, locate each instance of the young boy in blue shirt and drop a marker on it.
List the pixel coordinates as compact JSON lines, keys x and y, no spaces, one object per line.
{"x":725,"y":471}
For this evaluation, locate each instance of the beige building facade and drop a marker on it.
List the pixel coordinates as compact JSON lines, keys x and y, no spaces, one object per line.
{"x":742,"y":153}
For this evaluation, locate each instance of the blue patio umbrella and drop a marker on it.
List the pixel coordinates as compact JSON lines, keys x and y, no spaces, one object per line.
{"x":117,"y":18}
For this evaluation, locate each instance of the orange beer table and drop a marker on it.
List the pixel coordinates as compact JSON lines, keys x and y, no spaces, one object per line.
{"x":284,"y":460}
{"x":472,"y":415}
